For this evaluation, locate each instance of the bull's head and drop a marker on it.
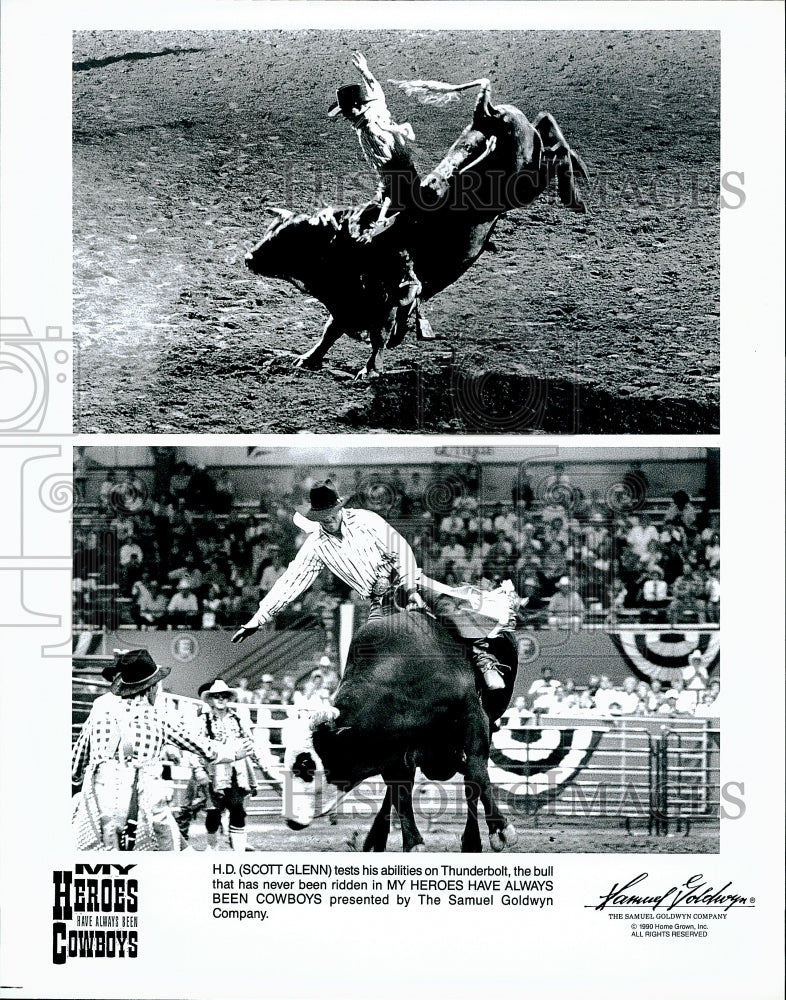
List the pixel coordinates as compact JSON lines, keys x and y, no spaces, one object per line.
{"x":272,"y":255}
{"x":285,"y":249}
{"x":307,"y":793}
{"x":475,"y":171}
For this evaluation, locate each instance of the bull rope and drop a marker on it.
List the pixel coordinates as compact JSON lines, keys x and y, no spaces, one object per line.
{"x":436,"y":92}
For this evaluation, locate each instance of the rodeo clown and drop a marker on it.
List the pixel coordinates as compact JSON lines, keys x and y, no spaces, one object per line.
{"x":231,"y":779}
{"x":123,"y":804}
{"x":384,"y":145}
{"x":361,"y":548}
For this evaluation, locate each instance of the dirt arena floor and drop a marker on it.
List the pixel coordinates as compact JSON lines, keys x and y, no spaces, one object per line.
{"x":601,"y":323}
{"x":547,"y":837}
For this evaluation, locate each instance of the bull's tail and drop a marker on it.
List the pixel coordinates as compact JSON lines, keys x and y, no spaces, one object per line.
{"x":436,"y":92}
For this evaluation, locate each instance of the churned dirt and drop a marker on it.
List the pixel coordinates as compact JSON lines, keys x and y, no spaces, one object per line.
{"x":550,"y":836}
{"x":601,"y":323}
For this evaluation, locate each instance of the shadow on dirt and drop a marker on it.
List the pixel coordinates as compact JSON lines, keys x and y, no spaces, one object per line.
{"x":81,"y":67}
{"x":517,"y":403}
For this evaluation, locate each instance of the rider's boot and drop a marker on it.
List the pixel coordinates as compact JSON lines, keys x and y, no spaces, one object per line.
{"x":489,"y":667}
{"x":409,"y":288}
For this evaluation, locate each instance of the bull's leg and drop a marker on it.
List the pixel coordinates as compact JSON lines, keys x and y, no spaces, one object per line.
{"x":470,"y":839}
{"x":502,"y":833}
{"x":378,"y":337}
{"x":401,"y":324}
{"x":398,"y":794}
{"x":476,"y":773}
{"x":402,"y":799}
{"x":313,"y":359}
{"x":567,"y":163}
{"x":377,"y":836}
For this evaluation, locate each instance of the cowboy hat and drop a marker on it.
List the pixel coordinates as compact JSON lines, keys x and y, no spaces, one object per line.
{"x":324,"y":502}
{"x":134,"y":671}
{"x":218,"y":686}
{"x":349,"y":100}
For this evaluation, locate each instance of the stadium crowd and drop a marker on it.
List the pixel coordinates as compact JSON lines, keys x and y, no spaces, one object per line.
{"x":188,"y":555}
{"x":694,"y":695}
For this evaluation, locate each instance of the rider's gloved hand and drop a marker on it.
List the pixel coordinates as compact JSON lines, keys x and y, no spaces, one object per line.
{"x":244,"y":632}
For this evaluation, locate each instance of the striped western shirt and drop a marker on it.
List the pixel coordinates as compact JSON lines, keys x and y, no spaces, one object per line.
{"x":356,"y":556}
{"x":130,"y":729}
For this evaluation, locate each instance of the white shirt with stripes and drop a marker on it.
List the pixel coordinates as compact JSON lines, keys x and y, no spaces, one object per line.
{"x":356,"y":556}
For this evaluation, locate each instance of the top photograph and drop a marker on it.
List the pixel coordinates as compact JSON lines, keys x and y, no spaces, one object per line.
{"x":436,"y":232}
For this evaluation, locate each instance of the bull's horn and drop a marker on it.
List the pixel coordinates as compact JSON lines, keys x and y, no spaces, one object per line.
{"x":283,"y":212}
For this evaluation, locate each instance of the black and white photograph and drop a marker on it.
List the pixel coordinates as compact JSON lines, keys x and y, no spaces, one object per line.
{"x":428,"y":231}
{"x":376,"y":634}
{"x":377,"y":382}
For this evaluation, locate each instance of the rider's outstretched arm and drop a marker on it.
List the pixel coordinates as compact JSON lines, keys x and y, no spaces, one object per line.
{"x":373,"y":86}
{"x":296,"y":578}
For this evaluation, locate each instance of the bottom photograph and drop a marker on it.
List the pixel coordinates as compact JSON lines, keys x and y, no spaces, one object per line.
{"x":368,"y":648}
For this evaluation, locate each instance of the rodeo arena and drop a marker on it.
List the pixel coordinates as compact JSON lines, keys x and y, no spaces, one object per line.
{"x":365,"y":648}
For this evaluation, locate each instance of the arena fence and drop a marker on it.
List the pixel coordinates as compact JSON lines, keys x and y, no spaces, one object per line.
{"x":637,"y":772}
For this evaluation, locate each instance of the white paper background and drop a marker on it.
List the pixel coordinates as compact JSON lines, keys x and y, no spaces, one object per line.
{"x":374,"y":953}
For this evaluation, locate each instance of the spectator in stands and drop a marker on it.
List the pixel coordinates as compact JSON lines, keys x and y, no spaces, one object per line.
{"x":683,"y":702}
{"x":106,"y":490}
{"x":546,"y":682}
{"x":128,"y":549}
{"x":547,"y":701}
{"x":695,"y":674}
{"x":533,"y":609}
{"x":224,"y":493}
{"x":183,"y":608}
{"x":686,"y":605}
{"x":149,"y":606}
{"x":265,"y":694}
{"x":712,"y":551}
{"x":129,"y":574}
{"x":553,"y":567}
{"x":586,"y":701}
{"x":655,"y":697}
{"x":636,"y":486}
{"x":681,"y":511}
{"x":243,"y":694}
{"x":624,"y":699}
{"x":452,"y":524}
{"x":713,"y":596}
{"x":566,"y":608}
{"x":453,"y":553}
{"x":654,"y":596}
{"x":272,"y":571}
{"x":522,"y":494}
{"x":708,"y":707}
{"x":642,"y":532}
{"x":606,"y":696}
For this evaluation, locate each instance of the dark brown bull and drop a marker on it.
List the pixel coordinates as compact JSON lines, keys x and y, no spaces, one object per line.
{"x":407,"y":700}
{"x":500,"y":162}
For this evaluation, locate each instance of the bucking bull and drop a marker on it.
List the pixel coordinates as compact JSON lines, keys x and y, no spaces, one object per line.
{"x":408,"y":699}
{"x":344,"y":257}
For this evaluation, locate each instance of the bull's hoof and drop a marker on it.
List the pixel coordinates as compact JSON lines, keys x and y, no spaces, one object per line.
{"x":506,"y":837}
{"x":309,"y":363}
{"x":416,"y":849}
{"x":367,"y":374}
